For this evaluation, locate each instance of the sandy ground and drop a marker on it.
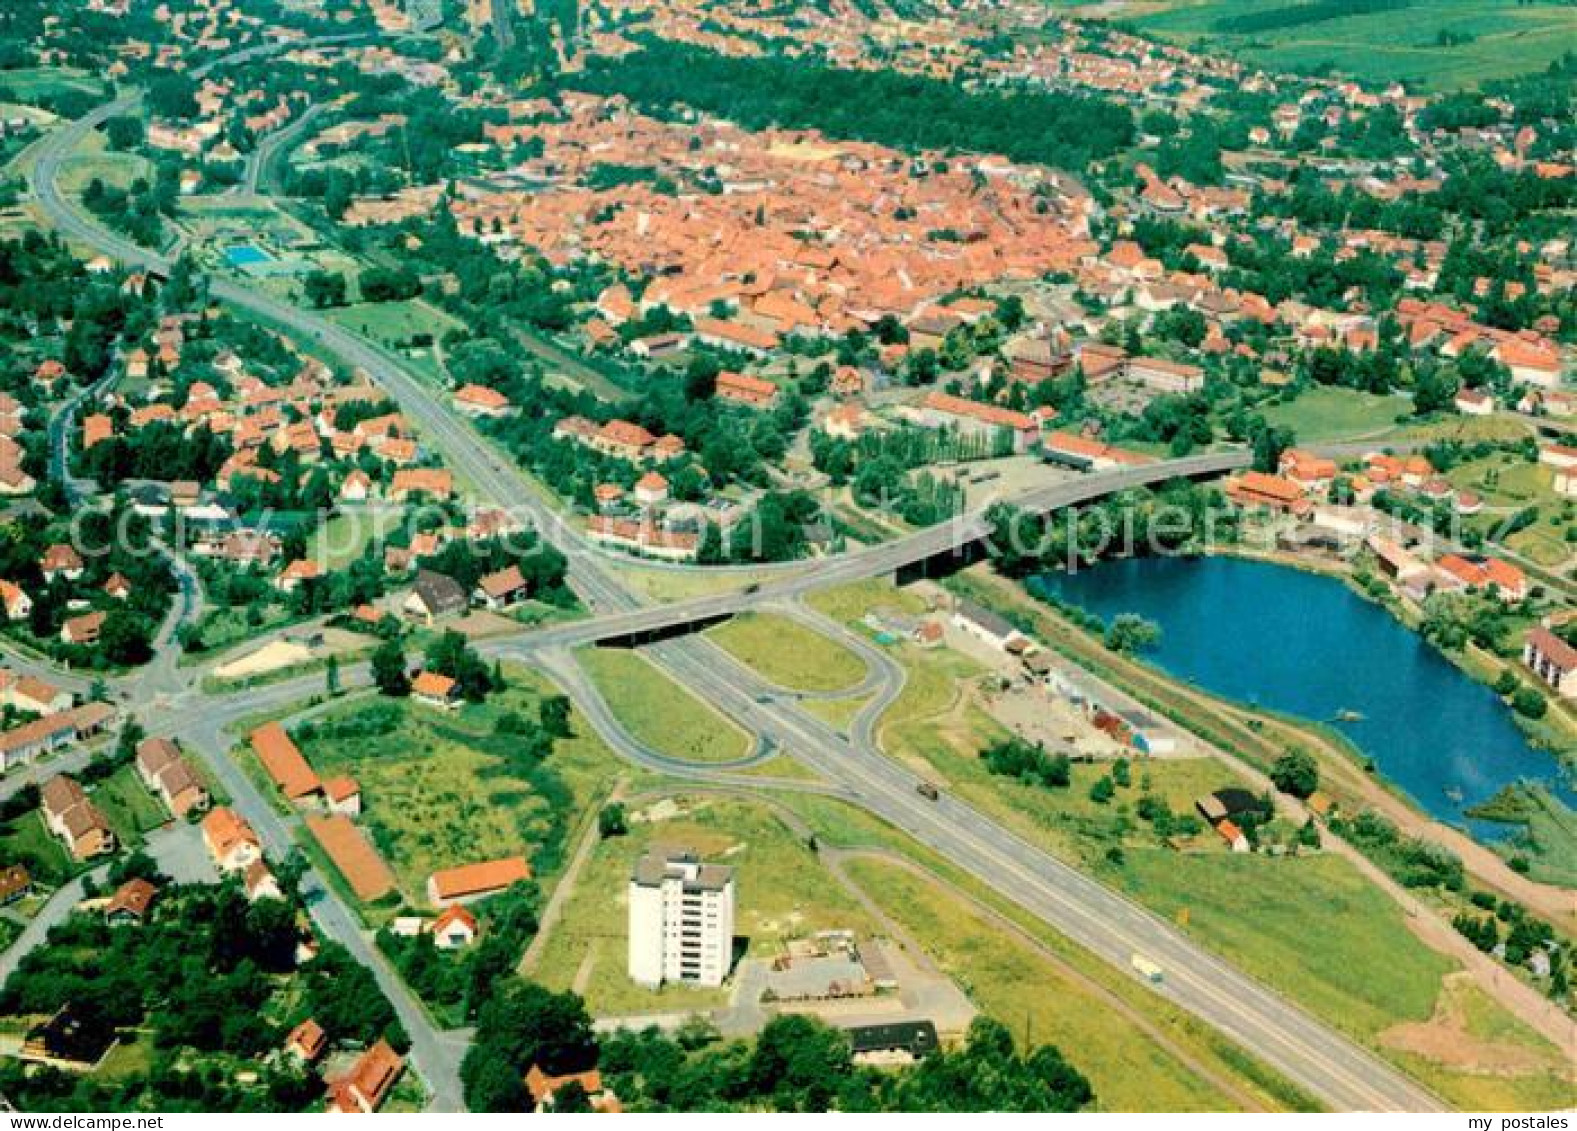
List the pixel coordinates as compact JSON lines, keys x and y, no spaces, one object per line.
{"x":271,"y":657}
{"x":1447,"y":1039}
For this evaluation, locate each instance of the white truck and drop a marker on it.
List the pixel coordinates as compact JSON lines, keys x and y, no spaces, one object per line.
{"x":1148,"y":970}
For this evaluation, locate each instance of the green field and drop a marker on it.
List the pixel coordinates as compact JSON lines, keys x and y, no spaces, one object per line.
{"x":31,"y":83}
{"x":441,"y":789}
{"x":788,"y":653}
{"x":1310,"y":926}
{"x":1323,"y":414}
{"x":1503,"y":38}
{"x":850,"y":602}
{"x":1508,"y":483}
{"x":94,"y":162}
{"x":1009,"y":980}
{"x":658,"y":712}
{"x":1315,"y":929}
{"x":781,"y":893}
{"x":394,"y":321}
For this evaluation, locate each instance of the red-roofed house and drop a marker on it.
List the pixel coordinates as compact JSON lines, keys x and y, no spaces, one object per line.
{"x":1502,"y":578}
{"x":741,"y":388}
{"x":435,"y":690}
{"x":474,"y":881}
{"x":367,"y":1084}
{"x":1551,"y":659}
{"x":479,"y":400}
{"x":307,"y":1041}
{"x":455,"y":928}
{"x":284,"y":763}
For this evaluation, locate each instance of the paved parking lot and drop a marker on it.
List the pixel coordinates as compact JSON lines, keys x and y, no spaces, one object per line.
{"x":179,"y":851}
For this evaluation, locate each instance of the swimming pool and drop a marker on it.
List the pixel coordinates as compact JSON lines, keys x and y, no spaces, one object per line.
{"x":245,"y":255}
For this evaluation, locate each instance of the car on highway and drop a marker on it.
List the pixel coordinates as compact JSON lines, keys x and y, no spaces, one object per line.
{"x":928,"y":791}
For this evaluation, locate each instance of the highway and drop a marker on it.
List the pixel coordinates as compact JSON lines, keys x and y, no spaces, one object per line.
{"x":436,"y":1055}
{"x":258,"y":161}
{"x":1309,"y":1052}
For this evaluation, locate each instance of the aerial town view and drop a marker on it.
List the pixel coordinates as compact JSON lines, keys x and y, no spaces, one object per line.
{"x":759,"y":556}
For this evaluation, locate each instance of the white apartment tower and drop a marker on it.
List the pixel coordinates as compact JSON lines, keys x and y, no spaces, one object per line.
{"x":681,"y":920}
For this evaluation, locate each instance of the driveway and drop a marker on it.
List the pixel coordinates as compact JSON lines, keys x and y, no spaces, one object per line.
{"x":53,"y":913}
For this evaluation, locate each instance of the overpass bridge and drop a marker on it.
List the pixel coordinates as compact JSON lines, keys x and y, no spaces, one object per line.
{"x":943,"y":544}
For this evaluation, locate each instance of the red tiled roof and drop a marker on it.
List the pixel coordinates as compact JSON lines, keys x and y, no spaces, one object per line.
{"x":478,"y":879}
{"x":284,"y":762}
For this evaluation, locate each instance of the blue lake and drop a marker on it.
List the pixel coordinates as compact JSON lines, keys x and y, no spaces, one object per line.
{"x":1301,"y":644}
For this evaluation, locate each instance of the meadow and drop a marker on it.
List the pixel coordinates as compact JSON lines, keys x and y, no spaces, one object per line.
{"x":658,"y":712}
{"x":1430,"y":44}
{"x":788,"y":653}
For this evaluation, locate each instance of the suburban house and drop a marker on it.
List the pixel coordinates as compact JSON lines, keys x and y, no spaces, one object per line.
{"x":474,"y":881}
{"x":544,"y":1088}
{"x":130,"y":904}
{"x":740,"y":388}
{"x":284,"y":763}
{"x":296,"y":574}
{"x":1505,"y":580}
{"x":1551,"y":659}
{"x":1314,"y":474}
{"x":16,"y":601}
{"x":166,"y":773}
{"x":434,"y":595}
{"x":22,"y":744}
{"x":651,"y":489}
{"x":431,"y":482}
{"x":985,"y":625}
{"x":230,"y":840}
{"x":82,"y":629}
{"x":435,"y":690}
{"x":343,"y":795}
{"x":356,"y":487}
{"x":75,"y":819}
{"x":307,"y":1041}
{"x":260,"y":883}
{"x":455,"y":928}
{"x":61,"y":561}
{"x":501,"y":589}
{"x":1474,"y":402}
{"x":69,"y":1039}
{"x":368,"y":1082}
{"x":31,"y":694}
{"x":1234,"y":837}
{"x":479,"y":400}
{"x":15,"y":883}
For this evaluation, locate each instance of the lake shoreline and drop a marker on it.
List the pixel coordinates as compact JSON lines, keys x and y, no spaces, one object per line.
{"x":1316,"y":657}
{"x":1540,"y":737}
{"x":1220,"y":724}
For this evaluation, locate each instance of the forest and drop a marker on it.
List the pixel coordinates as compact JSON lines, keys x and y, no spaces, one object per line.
{"x":904,"y":111}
